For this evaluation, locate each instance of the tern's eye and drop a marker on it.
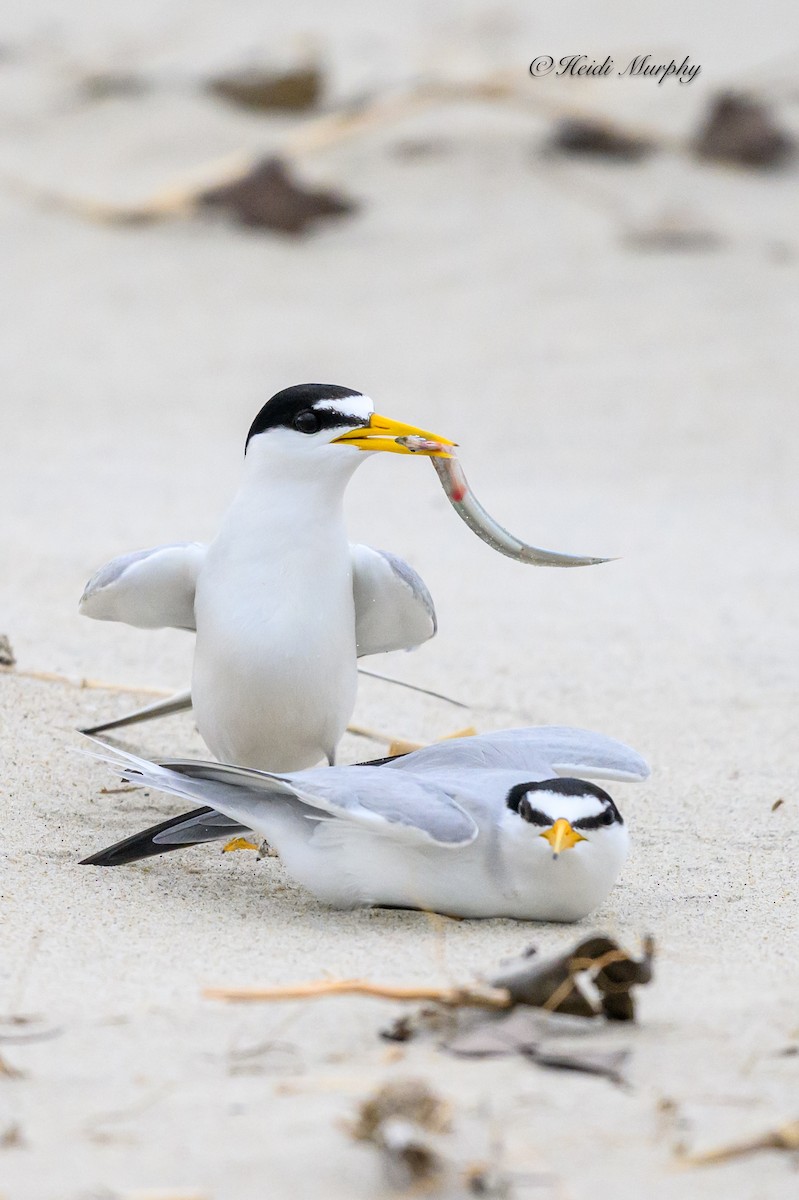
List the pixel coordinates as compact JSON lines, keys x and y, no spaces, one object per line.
{"x":307,"y":422}
{"x":607,"y":817}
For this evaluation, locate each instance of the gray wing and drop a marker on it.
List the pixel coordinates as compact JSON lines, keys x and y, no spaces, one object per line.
{"x":393,"y":608}
{"x":155,"y":589}
{"x":152,"y":589}
{"x":545,"y":750}
{"x":413,"y":809}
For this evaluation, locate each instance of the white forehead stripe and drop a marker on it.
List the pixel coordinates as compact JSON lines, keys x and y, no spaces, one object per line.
{"x":349,"y":406}
{"x":572,"y":807}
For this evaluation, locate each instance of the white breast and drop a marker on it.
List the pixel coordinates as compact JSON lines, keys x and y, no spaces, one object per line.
{"x":275,"y":663}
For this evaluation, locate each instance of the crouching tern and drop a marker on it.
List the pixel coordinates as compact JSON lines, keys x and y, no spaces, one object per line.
{"x":283,"y":605}
{"x":488,"y":826}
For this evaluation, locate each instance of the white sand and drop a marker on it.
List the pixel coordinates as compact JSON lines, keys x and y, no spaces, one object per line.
{"x":606,"y":401}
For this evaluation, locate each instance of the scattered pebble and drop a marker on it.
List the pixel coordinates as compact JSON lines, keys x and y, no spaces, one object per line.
{"x":7,"y":657}
{"x":268,"y":196}
{"x":264,"y":91}
{"x":596,"y":138}
{"x":741,"y":130}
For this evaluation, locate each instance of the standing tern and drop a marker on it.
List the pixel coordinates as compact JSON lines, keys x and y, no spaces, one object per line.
{"x":488,"y":826}
{"x":282,"y":604}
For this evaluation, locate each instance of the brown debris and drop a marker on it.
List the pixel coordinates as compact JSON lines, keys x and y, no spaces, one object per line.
{"x":607,"y":1063}
{"x":265,"y":91}
{"x":785,"y":1137}
{"x":7,"y":658}
{"x":777,"y":804}
{"x":267,"y":196}
{"x":9,"y":1072}
{"x":596,"y":138}
{"x":741,"y":130}
{"x":111,"y":85}
{"x":414,"y":149}
{"x":403,"y":1120}
{"x":11,"y":1137}
{"x":553,"y":983}
{"x":536,"y":1035}
{"x":673,"y":232}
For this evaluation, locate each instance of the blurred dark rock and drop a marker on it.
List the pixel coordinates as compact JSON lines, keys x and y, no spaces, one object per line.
{"x":269,"y":197}
{"x":597,"y":139}
{"x":7,"y":658}
{"x":111,"y":85}
{"x":741,"y":130}
{"x":674,"y":233}
{"x":255,"y":88}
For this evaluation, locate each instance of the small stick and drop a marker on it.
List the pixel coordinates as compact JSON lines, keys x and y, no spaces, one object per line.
{"x":373,"y":734}
{"x":785,"y":1137}
{"x":99,"y":685}
{"x":450,"y":997}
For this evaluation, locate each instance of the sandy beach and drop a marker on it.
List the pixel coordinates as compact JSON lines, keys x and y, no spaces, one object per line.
{"x":607,"y":399}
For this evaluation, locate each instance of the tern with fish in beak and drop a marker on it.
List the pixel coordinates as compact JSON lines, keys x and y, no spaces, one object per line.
{"x":282,"y":604}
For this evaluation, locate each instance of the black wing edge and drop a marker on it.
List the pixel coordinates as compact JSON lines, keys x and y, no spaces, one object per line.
{"x":143,"y":844}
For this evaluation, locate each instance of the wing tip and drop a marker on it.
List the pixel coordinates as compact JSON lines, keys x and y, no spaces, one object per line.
{"x":113,"y":856}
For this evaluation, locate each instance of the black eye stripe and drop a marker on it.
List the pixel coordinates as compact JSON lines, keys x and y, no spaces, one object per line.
{"x":611,"y":816}
{"x":534,"y":816}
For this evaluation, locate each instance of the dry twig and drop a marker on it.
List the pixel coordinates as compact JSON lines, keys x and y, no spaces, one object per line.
{"x":784,"y":1137}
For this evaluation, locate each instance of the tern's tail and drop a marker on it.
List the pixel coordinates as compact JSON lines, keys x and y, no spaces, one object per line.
{"x":216,"y":786}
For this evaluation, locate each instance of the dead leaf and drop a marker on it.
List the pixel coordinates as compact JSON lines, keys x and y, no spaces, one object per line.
{"x":741,"y":130}
{"x":554,"y":982}
{"x":267,"y":196}
{"x":607,"y":1063}
{"x":536,"y":1035}
{"x":264,"y":91}
{"x":518,"y":1032}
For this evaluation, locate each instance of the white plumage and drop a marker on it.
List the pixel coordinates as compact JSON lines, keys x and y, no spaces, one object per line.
{"x":490,"y":826}
{"x":281,"y":602}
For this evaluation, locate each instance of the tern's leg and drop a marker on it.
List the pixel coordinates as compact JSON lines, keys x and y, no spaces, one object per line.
{"x":162,"y":708}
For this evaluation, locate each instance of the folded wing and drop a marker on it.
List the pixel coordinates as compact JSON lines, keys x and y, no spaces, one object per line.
{"x":545,"y":750}
{"x":416,"y":810}
{"x":393,"y":608}
{"x":151,"y":589}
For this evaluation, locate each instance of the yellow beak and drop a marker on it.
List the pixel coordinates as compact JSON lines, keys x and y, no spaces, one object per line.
{"x":384,"y":434}
{"x":561,"y":836}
